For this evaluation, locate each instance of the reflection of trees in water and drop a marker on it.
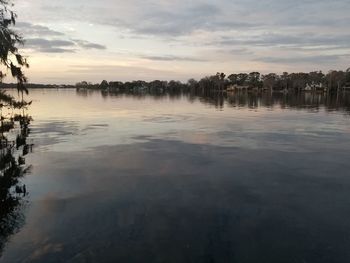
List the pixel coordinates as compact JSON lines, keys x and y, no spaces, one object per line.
{"x":14,"y":131}
{"x":155,"y":95}
{"x":252,"y":100}
{"x":306,"y":101}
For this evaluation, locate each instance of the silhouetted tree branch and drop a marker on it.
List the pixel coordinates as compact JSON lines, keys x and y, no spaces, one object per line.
{"x":10,"y":57}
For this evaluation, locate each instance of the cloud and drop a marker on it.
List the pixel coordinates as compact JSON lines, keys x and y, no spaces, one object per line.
{"x":223,"y":34}
{"x":304,"y":59}
{"x":50,"y":46}
{"x":182,"y":17}
{"x":59,"y":46}
{"x":43,"y":39}
{"x":177,"y":20}
{"x":278,"y":39}
{"x":172,"y":58}
{"x":28,"y":29}
{"x":88,"y":45}
{"x":40,"y":42}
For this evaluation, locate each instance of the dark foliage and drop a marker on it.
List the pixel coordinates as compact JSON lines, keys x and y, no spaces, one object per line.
{"x":10,"y":57}
{"x":317,"y":81}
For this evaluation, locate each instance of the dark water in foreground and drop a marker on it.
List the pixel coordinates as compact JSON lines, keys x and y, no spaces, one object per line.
{"x":186,"y":179}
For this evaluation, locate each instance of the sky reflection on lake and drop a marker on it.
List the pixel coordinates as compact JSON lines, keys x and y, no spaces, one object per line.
{"x":185,"y":179}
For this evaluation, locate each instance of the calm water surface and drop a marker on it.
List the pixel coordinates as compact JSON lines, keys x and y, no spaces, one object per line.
{"x":122,"y":178}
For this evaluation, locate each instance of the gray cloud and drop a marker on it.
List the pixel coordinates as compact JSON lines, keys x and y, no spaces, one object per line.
{"x":55,"y":50}
{"x":304,"y":59}
{"x":28,"y":29}
{"x":88,"y":45}
{"x":46,"y":40}
{"x":273,"y":39}
{"x":182,"y":20}
{"x":59,"y":46}
{"x":40,"y":42}
{"x":180,"y":17}
{"x":235,"y":51}
{"x":50,"y":46}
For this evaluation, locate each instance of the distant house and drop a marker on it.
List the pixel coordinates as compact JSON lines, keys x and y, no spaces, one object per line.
{"x":314,"y":87}
{"x":346,"y":88}
{"x":230,"y":88}
{"x":308,"y":88}
{"x":236,"y":87}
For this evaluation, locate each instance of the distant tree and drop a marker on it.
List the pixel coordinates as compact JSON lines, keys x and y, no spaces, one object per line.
{"x":254,"y":79}
{"x":336,"y":79}
{"x":270,"y":81}
{"x":158,"y":84}
{"x":219,"y":80}
{"x":116,"y":84}
{"x":316,"y":77}
{"x":10,"y":57}
{"x":233,"y":78}
{"x":128,"y":85}
{"x":104,"y":84}
{"x":192,"y":84}
{"x":139,"y":83}
{"x":221,"y":76}
{"x":214,"y":82}
{"x":175,"y":85}
{"x":242,"y":78}
{"x":82,"y":83}
{"x":347,"y":77}
{"x":206,"y":83}
{"x":297,"y":81}
{"x":285,"y":80}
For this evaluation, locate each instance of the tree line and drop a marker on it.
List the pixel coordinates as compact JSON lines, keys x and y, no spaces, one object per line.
{"x":297,"y":82}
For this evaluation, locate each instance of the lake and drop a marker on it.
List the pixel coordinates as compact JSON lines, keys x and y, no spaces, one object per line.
{"x":185,"y":178}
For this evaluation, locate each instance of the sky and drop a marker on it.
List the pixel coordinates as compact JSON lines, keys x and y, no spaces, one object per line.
{"x":73,"y":40}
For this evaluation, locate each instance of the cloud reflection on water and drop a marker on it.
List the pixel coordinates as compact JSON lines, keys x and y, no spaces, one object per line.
{"x":175,"y":201}
{"x":158,"y":186}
